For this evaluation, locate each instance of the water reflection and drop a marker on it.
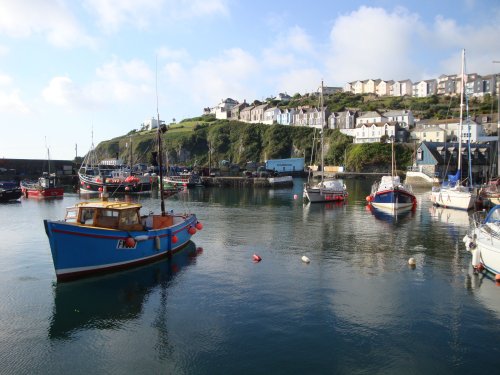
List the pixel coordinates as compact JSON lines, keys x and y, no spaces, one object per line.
{"x":459,"y":218}
{"x":485,"y":289}
{"x":108,"y":301}
{"x":391,"y":216}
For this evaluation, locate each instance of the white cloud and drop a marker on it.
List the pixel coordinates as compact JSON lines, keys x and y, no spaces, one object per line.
{"x":5,"y":79}
{"x":60,"y":91}
{"x":134,"y":70}
{"x":230,"y":75}
{"x":299,"y":40}
{"x":292,"y":48}
{"x":11,"y":102}
{"x":206,"y":82}
{"x":113,"y":14}
{"x":299,"y":81}
{"x":51,"y":18}
{"x":116,"y":81}
{"x":372,"y":43}
{"x":172,"y":54}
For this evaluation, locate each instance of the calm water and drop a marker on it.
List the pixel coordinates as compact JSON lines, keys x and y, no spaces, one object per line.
{"x":357,"y":308}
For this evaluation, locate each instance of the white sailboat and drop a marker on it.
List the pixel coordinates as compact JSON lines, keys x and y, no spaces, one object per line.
{"x":483,"y":241}
{"x":327,"y":190}
{"x":453,"y":194}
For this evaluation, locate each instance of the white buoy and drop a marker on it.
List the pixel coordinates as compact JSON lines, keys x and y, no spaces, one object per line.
{"x":412,"y":262}
{"x":142,"y":237}
{"x":157,"y":243}
{"x":305,"y":259}
{"x":295,"y":196}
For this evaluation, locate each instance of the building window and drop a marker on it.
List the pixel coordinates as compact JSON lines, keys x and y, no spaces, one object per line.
{"x":420,"y":154}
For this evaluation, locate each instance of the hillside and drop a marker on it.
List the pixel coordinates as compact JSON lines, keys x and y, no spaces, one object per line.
{"x":188,"y":142}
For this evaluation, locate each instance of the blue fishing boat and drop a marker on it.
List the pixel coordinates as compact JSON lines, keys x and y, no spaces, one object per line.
{"x":103,"y":235}
{"x":100,"y":236}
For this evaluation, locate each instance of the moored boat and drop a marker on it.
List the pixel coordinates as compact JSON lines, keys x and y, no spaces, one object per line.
{"x":489,"y":193}
{"x":390,"y":193}
{"x":113,"y":174}
{"x":9,"y":191}
{"x":183,"y":179}
{"x":483,"y":241}
{"x":45,"y":187}
{"x":280,"y":181}
{"x":100,"y":236}
{"x":453,"y":193}
{"x":327,"y":189}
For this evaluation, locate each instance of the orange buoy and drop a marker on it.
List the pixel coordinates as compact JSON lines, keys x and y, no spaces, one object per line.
{"x":497,"y":277}
{"x":256,"y":258}
{"x":130,"y":242}
{"x":192,"y":230}
{"x":199,"y":226}
{"x":174,"y":239}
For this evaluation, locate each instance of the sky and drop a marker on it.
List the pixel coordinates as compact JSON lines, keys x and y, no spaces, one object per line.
{"x":73,"y":72}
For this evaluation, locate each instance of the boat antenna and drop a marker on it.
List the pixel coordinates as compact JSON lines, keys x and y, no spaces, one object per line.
{"x":159,"y":131}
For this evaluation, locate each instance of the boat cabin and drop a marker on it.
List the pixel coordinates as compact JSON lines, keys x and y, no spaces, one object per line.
{"x":112,"y":215}
{"x":115,"y":215}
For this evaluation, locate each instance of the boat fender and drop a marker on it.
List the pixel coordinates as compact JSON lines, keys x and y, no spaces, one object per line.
{"x":305,"y":259}
{"x":469,"y":243}
{"x":497,"y":278}
{"x":256,"y":258}
{"x":369,"y":198}
{"x":142,"y":237}
{"x":476,"y":257}
{"x":130,"y":242}
{"x":191,"y":230}
{"x":157,"y":243}
{"x":199,"y":225}
{"x":175,"y":239}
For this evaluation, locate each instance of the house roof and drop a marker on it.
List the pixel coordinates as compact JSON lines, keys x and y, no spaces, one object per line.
{"x":378,"y":124}
{"x":436,"y":148}
{"x":431,"y":128}
{"x":371,"y":114}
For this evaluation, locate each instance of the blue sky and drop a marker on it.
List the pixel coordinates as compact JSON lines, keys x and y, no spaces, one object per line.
{"x":69,"y":68}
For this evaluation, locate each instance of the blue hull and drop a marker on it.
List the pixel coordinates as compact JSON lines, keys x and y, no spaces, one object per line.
{"x":393,"y":199}
{"x":79,"y":251}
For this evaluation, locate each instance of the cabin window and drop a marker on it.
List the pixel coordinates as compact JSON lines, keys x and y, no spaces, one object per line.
{"x":109,"y":213}
{"x":71,"y":215}
{"x":108,"y":218}
{"x":129,"y":217}
{"x":87,"y":216}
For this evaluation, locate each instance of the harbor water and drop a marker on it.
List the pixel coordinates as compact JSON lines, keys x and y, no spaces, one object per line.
{"x":356,"y":308}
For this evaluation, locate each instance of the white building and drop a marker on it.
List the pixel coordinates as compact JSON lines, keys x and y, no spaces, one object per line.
{"x":151,"y":123}
{"x":373,"y":132}
{"x":223,"y":109}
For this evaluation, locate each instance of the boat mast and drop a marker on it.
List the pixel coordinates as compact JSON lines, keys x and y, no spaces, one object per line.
{"x":322,"y":133}
{"x":392,"y":160}
{"x":462,"y":84}
{"x":159,"y":131}
{"x":498,"y":122}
